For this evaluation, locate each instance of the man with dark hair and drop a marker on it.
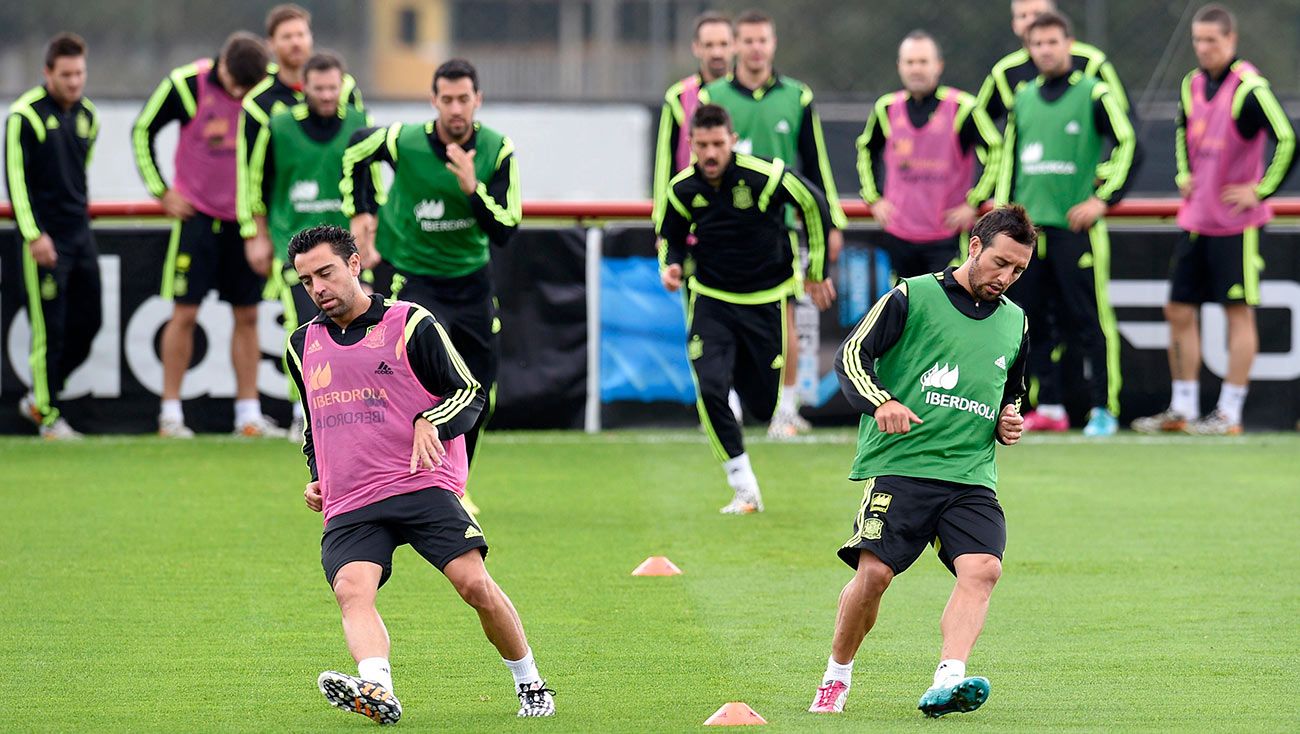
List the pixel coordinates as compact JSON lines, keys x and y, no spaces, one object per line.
{"x":774,"y":119}
{"x":1058,"y":128}
{"x":297,"y":157}
{"x":924,"y":138}
{"x":997,"y":98}
{"x":734,"y":205}
{"x":288,"y":32}
{"x":378,"y":377}
{"x":1225,"y":113}
{"x":206,"y":250}
{"x":937,"y":369}
{"x":49,"y":137}
{"x":713,"y":46}
{"x":455,"y":190}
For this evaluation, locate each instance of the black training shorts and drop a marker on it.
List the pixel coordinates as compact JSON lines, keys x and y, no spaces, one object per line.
{"x":432,"y":521}
{"x":901,"y":515}
{"x":1223,"y":269}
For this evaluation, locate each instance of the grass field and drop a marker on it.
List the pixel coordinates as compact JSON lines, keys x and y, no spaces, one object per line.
{"x":173,"y":586}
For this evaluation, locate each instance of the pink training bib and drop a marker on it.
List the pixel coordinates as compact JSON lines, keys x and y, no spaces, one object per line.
{"x":1218,"y":156}
{"x":926,"y":171}
{"x":205,"y":155}
{"x":363,"y":402}
{"x":690,"y":99}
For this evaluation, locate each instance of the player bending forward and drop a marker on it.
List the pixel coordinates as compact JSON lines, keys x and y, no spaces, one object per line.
{"x":382,"y":376}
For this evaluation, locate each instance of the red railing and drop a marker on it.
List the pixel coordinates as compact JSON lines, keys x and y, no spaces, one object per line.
{"x":1129,"y":208}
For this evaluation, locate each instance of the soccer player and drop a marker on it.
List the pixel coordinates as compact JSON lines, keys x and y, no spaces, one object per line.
{"x":388,"y":402}
{"x":735,"y":205}
{"x":926,"y":136}
{"x":774,"y":118}
{"x":49,"y":136}
{"x":288,"y":33}
{"x":455,"y":189}
{"x":206,"y":250}
{"x":937,"y":369}
{"x":297,"y":157}
{"x":714,"y":46}
{"x":1226,"y":112}
{"x":997,"y":97}
{"x":1058,"y":126}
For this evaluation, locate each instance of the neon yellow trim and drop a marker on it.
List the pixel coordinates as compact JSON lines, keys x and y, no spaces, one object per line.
{"x":40,"y":339}
{"x":775,"y":293}
{"x":352,"y":156}
{"x":773,"y":180}
{"x":853,"y":366}
{"x":140,"y":140}
{"x":1099,"y":238}
{"x":15,"y":168}
{"x":1250,"y":264}
{"x":168,"y":290}
{"x":715,"y":443}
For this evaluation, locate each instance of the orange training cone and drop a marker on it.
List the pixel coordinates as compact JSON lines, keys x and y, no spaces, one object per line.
{"x":657,"y":566}
{"x":735,"y":713}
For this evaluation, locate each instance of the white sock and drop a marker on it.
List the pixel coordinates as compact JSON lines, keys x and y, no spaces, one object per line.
{"x":733,"y":402}
{"x":1232,"y":398}
{"x":376,"y":670}
{"x":842,"y":673}
{"x":171,"y":410}
{"x":1186,"y":400}
{"x":948,"y":670}
{"x":740,"y":475}
{"x":297,"y":412}
{"x":789,"y":404}
{"x":247,"y":411}
{"x":1051,"y":411}
{"x":524,"y":670}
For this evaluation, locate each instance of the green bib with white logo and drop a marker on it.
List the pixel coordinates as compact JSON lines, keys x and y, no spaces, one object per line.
{"x":306,"y":188}
{"x":950,"y":370}
{"x":767,"y":125}
{"x":1057,"y":151}
{"x":427,"y":226}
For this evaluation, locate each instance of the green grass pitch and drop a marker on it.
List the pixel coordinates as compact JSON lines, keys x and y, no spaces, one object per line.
{"x":175,"y":586}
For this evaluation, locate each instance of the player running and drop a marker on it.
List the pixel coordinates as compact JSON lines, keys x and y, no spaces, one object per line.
{"x":376,"y":378}
{"x":937,"y":369}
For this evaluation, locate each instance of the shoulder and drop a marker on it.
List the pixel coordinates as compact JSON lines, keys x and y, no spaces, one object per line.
{"x":1087,"y":52}
{"x":1019,"y":57}
{"x":774,"y":167}
{"x":961,"y":98}
{"x":259,"y":98}
{"x":805,"y":92}
{"x":298,"y":339}
{"x":882,"y":103}
{"x":189,"y":71}
{"x":674,"y":92}
{"x":684,"y":180}
{"x":88,"y":107}
{"x":28,"y":100}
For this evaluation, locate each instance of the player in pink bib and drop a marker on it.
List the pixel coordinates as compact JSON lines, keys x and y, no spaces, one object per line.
{"x":1226,"y":111}
{"x":926,"y":136}
{"x":387,"y":401}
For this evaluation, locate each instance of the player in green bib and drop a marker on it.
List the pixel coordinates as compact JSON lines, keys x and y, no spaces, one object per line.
{"x":774,"y":118}
{"x":298,"y":155}
{"x":937,"y":369}
{"x":1060,"y":125}
{"x":455,"y":189}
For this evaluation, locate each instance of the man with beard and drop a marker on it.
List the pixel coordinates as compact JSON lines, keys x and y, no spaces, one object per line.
{"x":455,"y":190}
{"x":937,"y":369}
{"x":925,"y":138}
{"x":734,"y":204}
{"x":298,"y":156}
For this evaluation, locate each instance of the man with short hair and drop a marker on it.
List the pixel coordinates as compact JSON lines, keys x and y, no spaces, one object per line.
{"x":1226,"y":111}
{"x":378,"y":377}
{"x":206,"y":251}
{"x":734,"y":204}
{"x":49,"y":136}
{"x":937,"y":370}
{"x":1059,"y":125}
{"x":713,"y":46}
{"x":774,"y":119}
{"x":297,"y":157}
{"x":925,"y":138}
{"x":997,"y":98}
{"x":288,"y":33}
{"x":455,"y":190}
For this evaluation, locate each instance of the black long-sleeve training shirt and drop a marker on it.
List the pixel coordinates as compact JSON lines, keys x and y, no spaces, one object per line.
{"x":175,"y":99}
{"x":998,"y":91}
{"x":47,"y":149}
{"x":884,"y":325}
{"x":433,"y":360}
{"x":498,"y":187}
{"x":741,"y":242}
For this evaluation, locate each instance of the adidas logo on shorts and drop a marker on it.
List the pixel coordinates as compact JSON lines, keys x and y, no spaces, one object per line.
{"x":383,"y":369}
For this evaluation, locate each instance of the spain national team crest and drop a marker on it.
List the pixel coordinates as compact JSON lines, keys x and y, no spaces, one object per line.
{"x":742,"y":197}
{"x":872,"y":527}
{"x":375,"y":337}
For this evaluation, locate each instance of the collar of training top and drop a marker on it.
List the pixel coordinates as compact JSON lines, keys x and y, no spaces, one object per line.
{"x":373,"y":315}
{"x":773,"y":82}
{"x":951,"y":285}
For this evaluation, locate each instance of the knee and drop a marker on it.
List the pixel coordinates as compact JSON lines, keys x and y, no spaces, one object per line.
{"x":1180,"y":315}
{"x":352,"y":593}
{"x":874,"y":576}
{"x":979,"y":570}
{"x":245,"y":317}
{"x":478,"y":591}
